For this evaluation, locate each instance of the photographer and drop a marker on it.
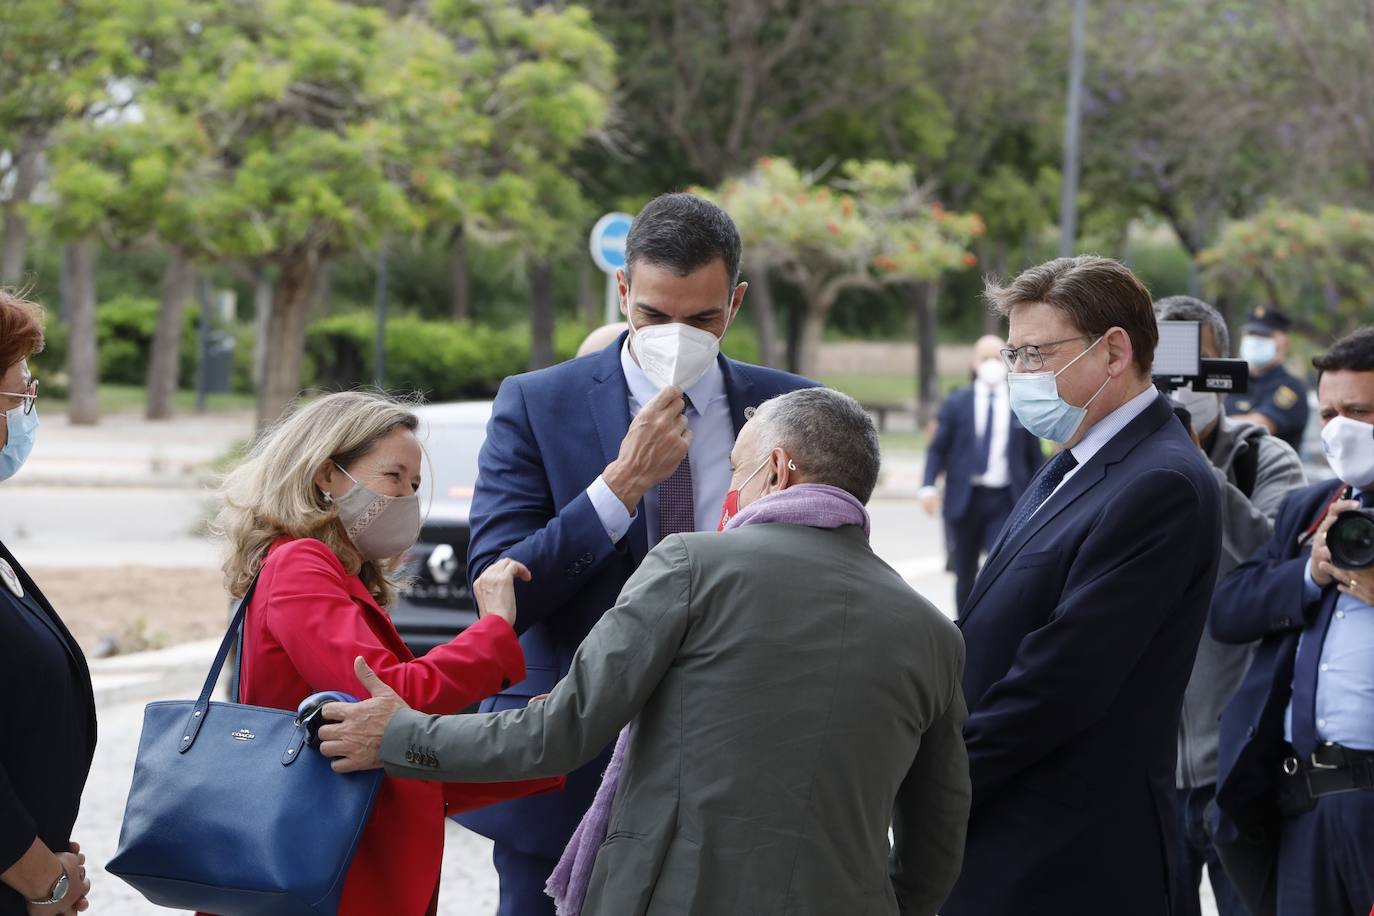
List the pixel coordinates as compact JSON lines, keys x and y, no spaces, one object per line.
{"x":1296,"y":756}
{"x":1254,"y":471}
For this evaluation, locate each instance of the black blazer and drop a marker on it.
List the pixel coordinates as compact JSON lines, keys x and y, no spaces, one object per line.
{"x":1262,"y":599}
{"x":1081,"y":632}
{"x":954,"y":450}
{"x":47,"y":720}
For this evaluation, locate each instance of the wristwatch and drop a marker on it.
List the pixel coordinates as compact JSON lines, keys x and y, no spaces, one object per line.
{"x":59,"y":890}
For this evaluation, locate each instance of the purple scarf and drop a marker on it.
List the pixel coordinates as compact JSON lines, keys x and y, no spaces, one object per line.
{"x":815,"y":505}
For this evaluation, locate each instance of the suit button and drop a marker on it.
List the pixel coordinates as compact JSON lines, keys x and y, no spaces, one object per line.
{"x":585,"y":558}
{"x":433,"y":761}
{"x":1283,"y":622}
{"x":505,"y":682}
{"x":410,"y":756}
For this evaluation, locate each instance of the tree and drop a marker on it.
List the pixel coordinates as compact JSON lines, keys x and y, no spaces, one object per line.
{"x":58,"y":61}
{"x":1318,"y":265}
{"x":543,"y":79}
{"x":873,"y":226}
{"x":309,"y":123}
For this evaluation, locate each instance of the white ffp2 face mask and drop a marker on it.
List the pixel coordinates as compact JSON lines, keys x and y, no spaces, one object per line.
{"x":1349,"y":448}
{"x":1203,"y":407}
{"x":674,"y":354}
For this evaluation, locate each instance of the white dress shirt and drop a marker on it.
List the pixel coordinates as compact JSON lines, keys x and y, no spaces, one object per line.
{"x":713,"y":436}
{"x":997,"y":473}
{"x":1104,"y":430}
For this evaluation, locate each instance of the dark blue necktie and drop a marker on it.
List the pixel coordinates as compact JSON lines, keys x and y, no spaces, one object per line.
{"x":1307,"y":666}
{"x":1040,"y":491}
{"x":985,"y":441}
{"x":676,"y":501}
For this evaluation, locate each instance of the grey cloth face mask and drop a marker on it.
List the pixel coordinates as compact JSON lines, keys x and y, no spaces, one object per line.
{"x":380,"y":527}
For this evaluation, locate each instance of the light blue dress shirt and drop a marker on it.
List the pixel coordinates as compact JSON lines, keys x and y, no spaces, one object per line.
{"x":1345,"y":674}
{"x":713,"y":436}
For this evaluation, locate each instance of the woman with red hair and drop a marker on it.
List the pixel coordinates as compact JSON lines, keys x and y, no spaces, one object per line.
{"x":47,"y":709}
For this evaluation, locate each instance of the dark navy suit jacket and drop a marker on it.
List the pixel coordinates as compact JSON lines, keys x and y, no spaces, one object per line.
{"x":954,"y":450}
{"x":1080,"y":633}
{"x":1262,"y":599}
{"x":551,"y":433}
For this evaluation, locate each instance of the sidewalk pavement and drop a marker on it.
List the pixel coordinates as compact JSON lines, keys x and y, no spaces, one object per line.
{"x":125,"y":450}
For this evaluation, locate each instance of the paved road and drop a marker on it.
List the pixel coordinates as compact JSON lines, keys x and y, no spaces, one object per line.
{"x":115,"y":526}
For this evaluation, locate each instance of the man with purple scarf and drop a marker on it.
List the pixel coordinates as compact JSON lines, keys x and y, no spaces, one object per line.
{"x":788,"y":697}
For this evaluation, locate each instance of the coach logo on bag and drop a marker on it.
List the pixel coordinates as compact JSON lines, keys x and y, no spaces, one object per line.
{"x":243,"y":734}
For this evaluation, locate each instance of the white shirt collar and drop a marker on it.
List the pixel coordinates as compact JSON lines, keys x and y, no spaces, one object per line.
{"x":1101,"y":432}
{"x":701,"y":393}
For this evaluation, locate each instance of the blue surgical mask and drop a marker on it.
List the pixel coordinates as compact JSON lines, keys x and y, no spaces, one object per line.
{"x":23,"y":429}
{"x":1259,"y":351}
{"x":1036,"y":402}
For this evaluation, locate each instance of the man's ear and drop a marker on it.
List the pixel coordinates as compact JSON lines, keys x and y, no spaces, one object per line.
{"x":1120,"y":352}
{"x":736,"y":300}
{"x":622,"y":288}
{"x":782,"y":469}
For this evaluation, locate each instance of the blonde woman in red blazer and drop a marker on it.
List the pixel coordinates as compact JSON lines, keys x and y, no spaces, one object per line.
{"x":324,"y":507}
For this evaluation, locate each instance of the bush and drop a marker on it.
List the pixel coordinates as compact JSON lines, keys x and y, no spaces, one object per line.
{"x":442,"y":360}
{"x":124,"y":328}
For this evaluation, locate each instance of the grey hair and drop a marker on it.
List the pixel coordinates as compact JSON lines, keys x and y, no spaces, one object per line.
{"x":829,"y":436}
{"x":1186,"y":308}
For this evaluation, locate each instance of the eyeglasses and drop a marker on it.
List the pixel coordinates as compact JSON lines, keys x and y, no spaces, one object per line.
{"x":29,"y":395}
{"x":1031,"y":356}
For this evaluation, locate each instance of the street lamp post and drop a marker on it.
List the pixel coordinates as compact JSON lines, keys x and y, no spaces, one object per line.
{"x":1068,"y":200}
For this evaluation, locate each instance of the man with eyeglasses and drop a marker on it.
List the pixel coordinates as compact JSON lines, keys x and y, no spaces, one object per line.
{"x":1082,"y":626}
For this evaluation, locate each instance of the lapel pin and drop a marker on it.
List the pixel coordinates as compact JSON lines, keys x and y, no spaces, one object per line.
{"x":749,"y":412}
{"x":11,"y":580}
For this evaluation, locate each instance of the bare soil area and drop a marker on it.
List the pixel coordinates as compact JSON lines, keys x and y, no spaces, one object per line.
{"x":140,"y":607}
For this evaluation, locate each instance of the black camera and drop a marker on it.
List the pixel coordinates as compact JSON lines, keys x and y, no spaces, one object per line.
{"x":1351,"y":539}
{"x":1179,"y":364}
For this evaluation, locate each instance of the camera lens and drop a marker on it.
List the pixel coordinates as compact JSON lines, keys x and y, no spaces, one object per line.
{"x":1351,"y":539}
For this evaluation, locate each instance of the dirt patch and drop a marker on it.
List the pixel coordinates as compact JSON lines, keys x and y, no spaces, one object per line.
{"x":139,"y":607}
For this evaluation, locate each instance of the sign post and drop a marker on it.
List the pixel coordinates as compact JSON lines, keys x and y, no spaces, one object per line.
{"x":608,"y":251}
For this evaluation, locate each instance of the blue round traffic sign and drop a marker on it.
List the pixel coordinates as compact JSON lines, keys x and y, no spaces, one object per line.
{"x":608,"y":241}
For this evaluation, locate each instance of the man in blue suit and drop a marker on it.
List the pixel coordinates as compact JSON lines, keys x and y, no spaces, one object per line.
{"x":1296,"y":758}
{"x":1082,"y":626}
{"x":588,"y":464}
{"x":987,"y":458}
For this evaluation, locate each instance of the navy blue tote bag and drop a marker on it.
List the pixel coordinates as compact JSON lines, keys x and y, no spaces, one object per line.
{"x":231,"y":813}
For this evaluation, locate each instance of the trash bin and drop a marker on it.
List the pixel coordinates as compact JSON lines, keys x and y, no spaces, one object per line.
{"x":219,"y":362}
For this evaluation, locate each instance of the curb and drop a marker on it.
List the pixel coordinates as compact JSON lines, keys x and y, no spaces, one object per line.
{"x":141,"y":675}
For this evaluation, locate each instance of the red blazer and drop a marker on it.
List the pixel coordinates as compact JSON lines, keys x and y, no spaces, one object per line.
{"x":307,"y":622}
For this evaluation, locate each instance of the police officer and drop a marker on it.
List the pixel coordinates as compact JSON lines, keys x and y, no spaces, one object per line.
{"x":1277,"y":399}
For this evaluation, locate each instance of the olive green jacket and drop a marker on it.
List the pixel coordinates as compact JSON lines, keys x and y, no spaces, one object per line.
{"x":792,"y":698}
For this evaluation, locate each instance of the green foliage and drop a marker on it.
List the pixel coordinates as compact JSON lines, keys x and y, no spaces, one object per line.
{"x":124,"y":337}
{"x":1296,"y":259}
{"x":872,"y":225}
{"x":443,"y":360}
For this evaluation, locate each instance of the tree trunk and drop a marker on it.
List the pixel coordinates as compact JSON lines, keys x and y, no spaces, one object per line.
{"x":291,"y":301}
{"x":795,"y":310}
{"x":927,"y":380}
{"x":83,"y":367}
{"x":262,"y":318}
{"x":322,"y":296}
{"x":541,"y":313}
{"x":459,"y":288}
{"x":27,"y":171}
{"x":992,"y":322}
{"x":812,"y":333}
{"x":591,"y":296}
{"x":164,"y":362}
{"x":760,"y":302}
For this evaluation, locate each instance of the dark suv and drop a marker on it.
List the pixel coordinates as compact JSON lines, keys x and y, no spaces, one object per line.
{"x":437,"y":605}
